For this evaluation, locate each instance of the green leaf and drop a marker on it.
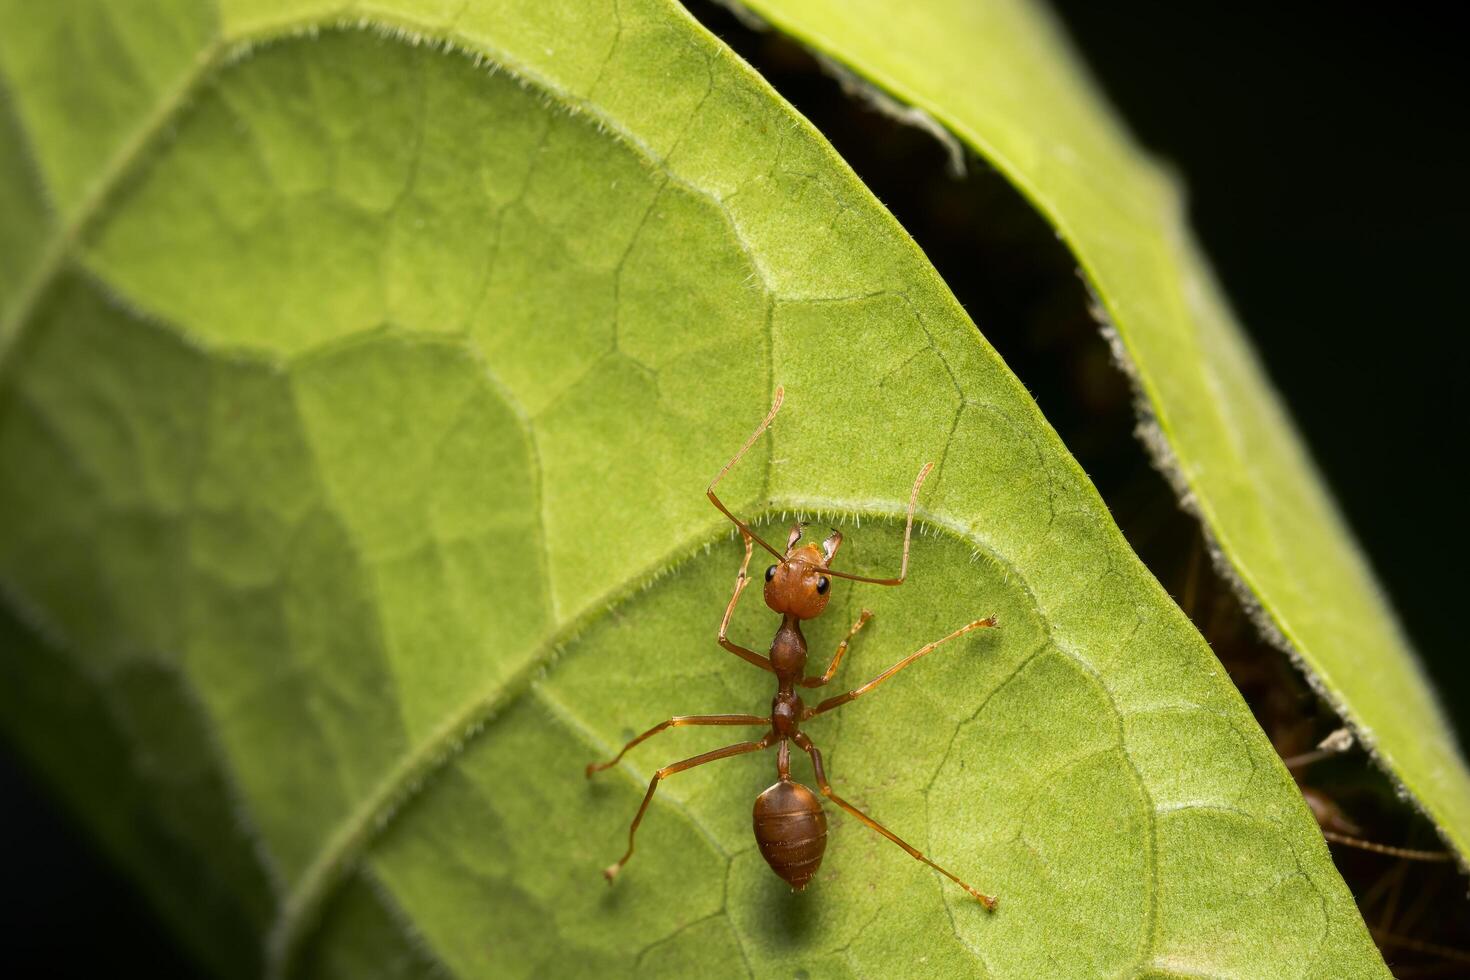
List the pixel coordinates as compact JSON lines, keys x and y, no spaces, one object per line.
{"x":358,"y":395}
{"x":999,"y":78}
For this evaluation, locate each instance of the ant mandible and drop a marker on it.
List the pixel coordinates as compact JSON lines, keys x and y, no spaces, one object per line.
{"x":790,"y":827}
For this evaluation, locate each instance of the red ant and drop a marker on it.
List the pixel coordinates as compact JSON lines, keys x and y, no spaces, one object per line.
{"x":790,"y":827}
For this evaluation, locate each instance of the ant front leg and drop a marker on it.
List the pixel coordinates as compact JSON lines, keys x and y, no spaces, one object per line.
{"x":856,"y":693}
{"x":841,"y":652}
{"x":741,"y":581}
{"x":989,"y":901}
{"x":739,"y":748}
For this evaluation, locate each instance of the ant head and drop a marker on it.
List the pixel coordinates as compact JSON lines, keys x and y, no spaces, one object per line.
{"x":795,"y":586}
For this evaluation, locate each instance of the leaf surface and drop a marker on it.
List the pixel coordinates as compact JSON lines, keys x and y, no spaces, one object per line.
{"x":997,"y":75}
{"x":357,"y":399}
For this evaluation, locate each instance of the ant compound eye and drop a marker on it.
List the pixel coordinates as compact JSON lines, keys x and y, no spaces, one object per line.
{"x":770,"y":573}
{"x":823,"y":585}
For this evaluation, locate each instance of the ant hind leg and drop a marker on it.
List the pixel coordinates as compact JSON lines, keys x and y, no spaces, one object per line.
{"x":989,"y":901}
{"x":739,"y":748}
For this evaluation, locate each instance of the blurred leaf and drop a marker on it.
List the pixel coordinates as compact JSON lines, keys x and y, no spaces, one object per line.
{"x":356,"y":407}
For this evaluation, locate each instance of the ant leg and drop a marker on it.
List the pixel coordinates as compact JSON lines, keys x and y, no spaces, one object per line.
{"x":741,"y":581}
{"x":908,"y":531}
{"x":1337,"y":828}
{"x":1407,"y":853}
{"x":678,"y":721}
{"x":841,"y":652}
{"x":739,"y":748}
{"x":989,"y":901}
{"x":709,"y":491}
{"x":856,"y":693}
{"x":1333,"y":823}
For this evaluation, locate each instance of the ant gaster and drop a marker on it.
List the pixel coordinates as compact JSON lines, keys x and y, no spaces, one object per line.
{"x":790,"y":827}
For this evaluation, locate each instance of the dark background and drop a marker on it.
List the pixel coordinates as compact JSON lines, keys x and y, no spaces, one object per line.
{"x":1324,"y":152}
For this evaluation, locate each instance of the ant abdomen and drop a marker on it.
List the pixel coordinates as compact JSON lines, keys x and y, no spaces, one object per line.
{"x":791,"y":831}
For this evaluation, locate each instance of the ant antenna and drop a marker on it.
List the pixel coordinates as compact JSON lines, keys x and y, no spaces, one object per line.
{"x":908,"y":531}
{"x":744,"y":527}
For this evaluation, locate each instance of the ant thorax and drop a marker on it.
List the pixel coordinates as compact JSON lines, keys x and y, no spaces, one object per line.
{"x":788,"y":651}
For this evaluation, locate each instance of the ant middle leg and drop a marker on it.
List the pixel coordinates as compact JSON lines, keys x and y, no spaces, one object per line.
{"x":739,"y":748}
{"x":741,"y":581}
{"x":678,"y":721}
{"x":853,"y":695}
{"x":841,"y":652}
{"x":805,"y":743}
